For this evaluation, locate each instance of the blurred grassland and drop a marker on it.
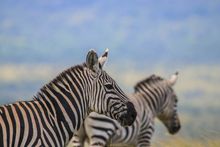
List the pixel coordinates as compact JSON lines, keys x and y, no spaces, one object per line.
{"x":181,"y":142}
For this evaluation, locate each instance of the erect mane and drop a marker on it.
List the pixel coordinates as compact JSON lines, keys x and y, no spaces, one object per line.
{"x":153,"y":79}
{"x":59,"y":77}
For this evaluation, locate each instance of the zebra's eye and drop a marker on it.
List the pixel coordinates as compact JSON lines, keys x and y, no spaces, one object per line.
{"x":109,"y":86}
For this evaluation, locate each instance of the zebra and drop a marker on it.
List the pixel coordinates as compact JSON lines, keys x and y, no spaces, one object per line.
{"x":153,"y":97}
{"x":57,"y":111}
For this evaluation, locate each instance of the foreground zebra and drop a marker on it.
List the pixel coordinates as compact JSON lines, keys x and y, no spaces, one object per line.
{"x":59,"y":108}
{"x":153,"y":97}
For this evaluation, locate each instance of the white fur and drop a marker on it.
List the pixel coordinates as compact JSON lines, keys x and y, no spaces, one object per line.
{"x":173,"y":79}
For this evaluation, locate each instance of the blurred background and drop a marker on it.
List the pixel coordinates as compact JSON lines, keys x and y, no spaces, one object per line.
{"x":40,"y":38}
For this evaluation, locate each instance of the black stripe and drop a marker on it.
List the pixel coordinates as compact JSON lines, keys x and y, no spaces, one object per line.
{"x":132,"y":132}
{"x":46,"y":100}
{"x":13,"y":123}
{"x":45,"y":107}
{"x":73,"y":101}
{"x":37,"y":123}
{"x":148,"y":97}
{"x":1,"y":136}
{"x":30,"y":133}
{"x":44,"y":122}
{"x":21,"y":120}
{"x":6,"y":123}
{"x":84,"y":81}
{"x":153,"y":98}
{"x":46,"y":139}
{"x":78,"y":77}
{"x":100,"y":137}
{"x":107,"y":120}
{"x":59,"y":113}
{"x":1,"y":132}
{"x":101,"y":128}
{"x":127,"y":131}
{"x":66,"y":107}
{"x":60,"y":80}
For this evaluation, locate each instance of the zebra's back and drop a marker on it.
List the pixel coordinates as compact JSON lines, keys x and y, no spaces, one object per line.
{"x":25,"y":124}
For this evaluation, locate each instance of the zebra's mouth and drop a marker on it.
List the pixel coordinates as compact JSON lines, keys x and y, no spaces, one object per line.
{"x":174,"y":129}
{"x":127,"y":119}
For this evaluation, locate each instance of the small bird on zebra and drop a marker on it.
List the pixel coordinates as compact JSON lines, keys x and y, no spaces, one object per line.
{"x":58,"y":110}
{"x":153,"y":97}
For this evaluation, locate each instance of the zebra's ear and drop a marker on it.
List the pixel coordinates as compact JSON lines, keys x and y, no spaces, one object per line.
{"x":173,"y":78}
{"x":92,"y":61}
{"x":103,"y":58}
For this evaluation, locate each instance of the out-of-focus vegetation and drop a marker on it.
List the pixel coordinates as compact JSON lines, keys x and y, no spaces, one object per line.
{"x":180,"y":142}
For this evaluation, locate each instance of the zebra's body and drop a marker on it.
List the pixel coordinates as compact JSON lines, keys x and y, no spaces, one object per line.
{"x":153,"y":97}
{"x":59,"y":108}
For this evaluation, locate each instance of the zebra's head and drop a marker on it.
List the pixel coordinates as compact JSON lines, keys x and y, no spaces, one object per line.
{"x":107,"y":97}
{"x":168,"y":114}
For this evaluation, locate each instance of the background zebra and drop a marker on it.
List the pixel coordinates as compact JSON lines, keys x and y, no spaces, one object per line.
{"x":59,"y":108}
{"x":153,"y":97}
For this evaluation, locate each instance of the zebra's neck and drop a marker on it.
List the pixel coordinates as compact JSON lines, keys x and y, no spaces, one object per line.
{"x":154,"y":100}
{"x":66,"y":100}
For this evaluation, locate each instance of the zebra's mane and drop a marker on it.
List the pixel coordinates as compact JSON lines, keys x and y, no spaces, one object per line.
{"x":59,"y":77}
{"x":153,"y":79}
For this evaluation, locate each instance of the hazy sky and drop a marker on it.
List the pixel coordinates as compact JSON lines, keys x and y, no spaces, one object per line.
{"x":42,"y":37}
{"x":139,"y":31}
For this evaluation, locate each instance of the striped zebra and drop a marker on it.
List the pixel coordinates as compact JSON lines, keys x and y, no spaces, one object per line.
{"x":153,"y":97}
{"x":60,"y":107}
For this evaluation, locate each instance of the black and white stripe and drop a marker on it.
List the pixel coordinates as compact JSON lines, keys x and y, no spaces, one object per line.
{"x":153,"y":97}
{"x":60,"y":107}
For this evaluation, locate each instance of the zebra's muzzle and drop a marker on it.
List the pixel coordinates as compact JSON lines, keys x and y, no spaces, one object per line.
{"x":174,"y":129}
{"x":128,"y":118}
